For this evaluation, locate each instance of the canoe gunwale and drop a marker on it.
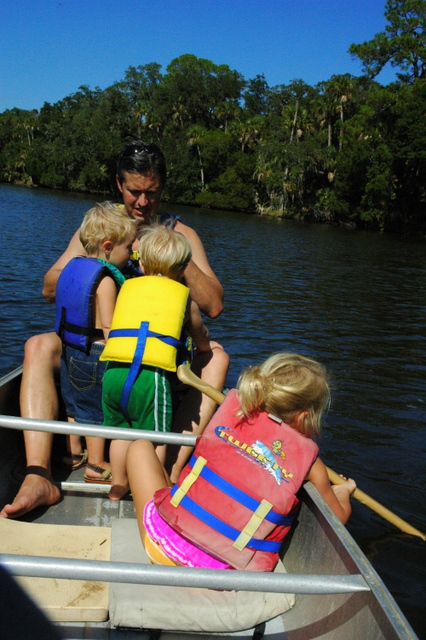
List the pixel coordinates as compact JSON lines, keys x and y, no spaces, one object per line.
{"x":128,"y":573}
{"x":70,"y":428}
{"x":356,"y":562}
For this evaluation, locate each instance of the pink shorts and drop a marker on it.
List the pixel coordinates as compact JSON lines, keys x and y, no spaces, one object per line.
{"x":175,"y":546}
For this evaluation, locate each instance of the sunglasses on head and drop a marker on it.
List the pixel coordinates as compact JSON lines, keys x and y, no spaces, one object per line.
{"x":134,"y":149}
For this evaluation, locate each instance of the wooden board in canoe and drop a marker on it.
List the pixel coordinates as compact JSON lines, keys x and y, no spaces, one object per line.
{"x":71,"y":551}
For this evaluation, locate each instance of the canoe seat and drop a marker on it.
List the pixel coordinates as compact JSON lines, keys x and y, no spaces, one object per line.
{"x":62,"y":600}
{"x":180,"y":608}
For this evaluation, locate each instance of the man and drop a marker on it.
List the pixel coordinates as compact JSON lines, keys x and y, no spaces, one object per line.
{"x":141,"y":177}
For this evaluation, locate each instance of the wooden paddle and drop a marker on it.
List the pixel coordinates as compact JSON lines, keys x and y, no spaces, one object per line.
{"x":377,"y":507}
{"x":188,"y":377}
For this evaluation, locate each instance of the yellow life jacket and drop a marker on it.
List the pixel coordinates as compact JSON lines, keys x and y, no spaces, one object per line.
{"x":160,"y":305}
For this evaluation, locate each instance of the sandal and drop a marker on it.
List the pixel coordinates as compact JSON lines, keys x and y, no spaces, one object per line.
{"x":80,"y":460}
{"x":104,"y":477}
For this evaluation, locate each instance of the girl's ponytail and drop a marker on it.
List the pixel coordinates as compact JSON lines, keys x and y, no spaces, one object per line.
{"x":285,"y":385}
{"x":251,"y":388}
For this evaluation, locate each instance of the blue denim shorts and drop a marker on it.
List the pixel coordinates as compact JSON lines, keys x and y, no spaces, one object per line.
{"x":81,"y":383}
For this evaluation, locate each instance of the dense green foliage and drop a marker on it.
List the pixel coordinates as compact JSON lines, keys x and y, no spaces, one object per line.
{"x":346,"y":151}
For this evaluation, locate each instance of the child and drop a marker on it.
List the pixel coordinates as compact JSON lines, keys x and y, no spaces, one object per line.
{"x":143,"y":344}
{"x":85,"y":297}
{"x":236,"y":498}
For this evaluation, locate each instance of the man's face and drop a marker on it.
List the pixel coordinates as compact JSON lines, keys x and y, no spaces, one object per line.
{"x":141,"y":196}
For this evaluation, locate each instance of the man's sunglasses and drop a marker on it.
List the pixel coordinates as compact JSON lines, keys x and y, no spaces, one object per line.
{"x":134,"y":149}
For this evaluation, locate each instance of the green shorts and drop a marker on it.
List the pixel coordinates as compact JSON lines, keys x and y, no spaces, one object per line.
{"x":150,"y":403}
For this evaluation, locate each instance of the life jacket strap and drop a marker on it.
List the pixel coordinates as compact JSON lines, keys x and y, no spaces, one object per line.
{"x":238,"y":495}
{"x":189,"y":481}
{"x":252,"y":525}
{"x":91,"y":333}
{"x":81,"y":331}
{"x":225,"y":529}
{"x":142,"y":334}
{"x":135,"y":333}
{"x":134,"y":367}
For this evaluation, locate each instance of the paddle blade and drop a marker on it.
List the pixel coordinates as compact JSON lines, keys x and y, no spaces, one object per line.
{"x":186,"y":376}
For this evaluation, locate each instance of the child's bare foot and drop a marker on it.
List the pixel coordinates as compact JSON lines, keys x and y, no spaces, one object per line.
{"x":36,"y":491}
{"x":118,"y":491}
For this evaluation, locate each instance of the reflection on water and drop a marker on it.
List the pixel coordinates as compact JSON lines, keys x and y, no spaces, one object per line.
{"x":355,"y":301}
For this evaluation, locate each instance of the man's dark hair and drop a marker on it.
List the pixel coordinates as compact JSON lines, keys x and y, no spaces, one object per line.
{"x":139,"y":157}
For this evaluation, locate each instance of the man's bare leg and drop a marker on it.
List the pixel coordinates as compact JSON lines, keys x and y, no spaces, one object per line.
{"x":38,"y":399}
{"x":197,"y":409}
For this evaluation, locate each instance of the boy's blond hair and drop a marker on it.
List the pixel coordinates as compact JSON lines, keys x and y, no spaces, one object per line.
{"x":105,"y":221}
{"x":284,"y":385}
{"x":163,"y":252}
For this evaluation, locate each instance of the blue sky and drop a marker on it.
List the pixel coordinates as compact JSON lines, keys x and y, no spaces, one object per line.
{"x":51,"y":47}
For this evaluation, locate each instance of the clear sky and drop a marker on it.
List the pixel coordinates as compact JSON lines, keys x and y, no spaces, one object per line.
{"x":51,"y":47}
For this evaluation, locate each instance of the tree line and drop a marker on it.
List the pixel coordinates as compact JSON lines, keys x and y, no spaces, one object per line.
{"x":346,"y":151}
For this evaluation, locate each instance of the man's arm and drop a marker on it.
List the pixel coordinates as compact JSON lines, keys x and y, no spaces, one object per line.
{"x":75,"y":248}
{"x":206,"y":289}
{"x":197,"y":329}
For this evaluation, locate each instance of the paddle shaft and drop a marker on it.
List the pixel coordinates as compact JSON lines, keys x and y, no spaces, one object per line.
{"x":187,"y":376}
{"x":377,"y":507}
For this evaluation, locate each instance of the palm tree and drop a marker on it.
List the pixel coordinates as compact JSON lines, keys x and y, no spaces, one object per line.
{"x":325,"y":107}
{"x":298,"y":90}
{"x":195,"y":135}
{"x":226,"y":112}
{"x":247,"y":132}
{"x":341,"y":88}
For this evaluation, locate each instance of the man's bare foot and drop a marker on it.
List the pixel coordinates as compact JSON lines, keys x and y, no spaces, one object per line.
{"x":35,"y":491}
{"x":118,"y":491}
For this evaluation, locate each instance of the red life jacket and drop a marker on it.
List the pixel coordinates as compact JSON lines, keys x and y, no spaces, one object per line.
{"x":236,"y":496}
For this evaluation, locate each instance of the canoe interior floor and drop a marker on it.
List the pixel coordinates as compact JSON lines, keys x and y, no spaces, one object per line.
{"x":81,"y":508}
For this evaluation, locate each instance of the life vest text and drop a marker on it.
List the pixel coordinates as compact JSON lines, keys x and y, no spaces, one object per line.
{"x":243,"y":446}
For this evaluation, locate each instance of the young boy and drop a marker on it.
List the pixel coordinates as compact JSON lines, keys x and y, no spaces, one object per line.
{"x":144,"y":343}
{"x":85,"y":298}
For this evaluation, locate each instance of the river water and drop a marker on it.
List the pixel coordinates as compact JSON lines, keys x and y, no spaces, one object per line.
{"x":353,"y":300}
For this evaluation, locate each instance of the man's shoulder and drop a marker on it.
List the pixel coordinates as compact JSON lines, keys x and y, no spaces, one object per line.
{"x":187,"y":231}
{"x":176,"y":223}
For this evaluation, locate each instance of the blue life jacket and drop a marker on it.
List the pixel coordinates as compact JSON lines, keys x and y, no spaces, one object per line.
{"x":75,"y":301}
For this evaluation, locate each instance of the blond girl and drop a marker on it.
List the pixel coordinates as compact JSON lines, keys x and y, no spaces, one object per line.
{"x":236,"y":499}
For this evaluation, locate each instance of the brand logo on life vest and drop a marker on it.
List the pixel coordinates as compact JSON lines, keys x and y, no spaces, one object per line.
{"x":277,"y":446}
{"x":258,"y":453}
